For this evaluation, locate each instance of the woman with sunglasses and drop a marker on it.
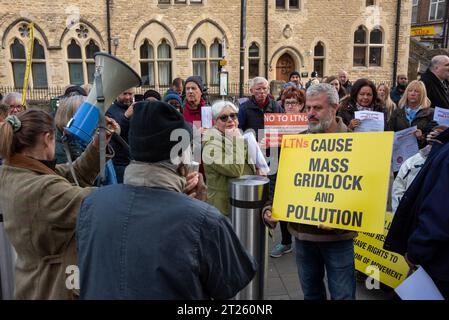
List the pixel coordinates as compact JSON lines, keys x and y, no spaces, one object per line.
{"x":225,"y":155}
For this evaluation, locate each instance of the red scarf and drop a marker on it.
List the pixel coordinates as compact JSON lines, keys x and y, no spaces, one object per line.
{"x":193,"y":115}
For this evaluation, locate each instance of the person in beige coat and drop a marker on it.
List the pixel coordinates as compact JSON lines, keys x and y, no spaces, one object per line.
{"x":40,"y":204}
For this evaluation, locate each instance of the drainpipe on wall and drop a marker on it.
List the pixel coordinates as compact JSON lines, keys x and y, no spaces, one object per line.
{"x":108,"y":24}
{"x":242,"y":46}
{"x":266,"y":40}
{"x":396,"y":42}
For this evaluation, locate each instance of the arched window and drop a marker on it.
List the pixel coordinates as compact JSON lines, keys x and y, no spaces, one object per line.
{"x":38,"y":76}
{"x":215,"y":55}
{"x":82,"y":44}
{"x":199,"y":60}
{"x":18,"y":61}
{"x":368,"y":53}
{"x":147,"y":63}
{"x":91,"y":49}
{"x":375,"y":47}
{"x":164,"y":63}
{"x":360,"y":47}
{"x":318,"y":59}
{"x":75,"y":61}
{"x":38,"y":67}
{"x":253,"y":60}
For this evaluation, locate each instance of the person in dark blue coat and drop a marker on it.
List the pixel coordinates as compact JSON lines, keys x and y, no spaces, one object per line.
{"x":146,"y":239}
{"x":420,"y":227}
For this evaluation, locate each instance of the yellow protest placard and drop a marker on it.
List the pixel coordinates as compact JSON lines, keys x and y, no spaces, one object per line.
{"x":370,"y":258}
{"x":338,"y":180}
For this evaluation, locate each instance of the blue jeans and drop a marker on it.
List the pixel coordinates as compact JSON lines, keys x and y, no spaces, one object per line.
{"x":337,"y":257}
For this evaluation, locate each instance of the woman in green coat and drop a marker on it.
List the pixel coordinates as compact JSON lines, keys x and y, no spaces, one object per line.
{"x":225,"y":155}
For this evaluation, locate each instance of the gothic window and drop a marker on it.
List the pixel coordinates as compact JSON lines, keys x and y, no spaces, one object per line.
{"x":199,"y":60}
{"x":164,"y":63}
{"x":318,"y":59}
{"x":38,"y":75}
{"x":147,"y":63}
{"x":253,"y":60}
{"x":368,"y":52}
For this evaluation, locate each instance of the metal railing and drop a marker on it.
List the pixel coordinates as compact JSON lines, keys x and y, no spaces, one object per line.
{"x":45,"y":94}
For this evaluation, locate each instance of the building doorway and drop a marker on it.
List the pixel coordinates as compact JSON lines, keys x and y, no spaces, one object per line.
{"x":284,"y":67}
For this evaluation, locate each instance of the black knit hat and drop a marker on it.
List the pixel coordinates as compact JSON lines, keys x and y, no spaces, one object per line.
{"x":152,"y":93}
{"x":150,"y":128}
{"x":197,"y":80}
{"x":294,"y":73}
{"x":74,"y":91}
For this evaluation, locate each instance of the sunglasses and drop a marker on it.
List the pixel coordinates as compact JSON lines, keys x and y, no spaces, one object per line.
{"x":225,"y":117}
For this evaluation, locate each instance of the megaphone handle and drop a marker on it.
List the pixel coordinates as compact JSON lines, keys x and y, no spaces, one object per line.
{"x":102,"y":148}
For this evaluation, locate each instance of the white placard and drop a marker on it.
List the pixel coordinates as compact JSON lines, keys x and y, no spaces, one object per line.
{"x":418,"y":286}
{"x":206,"y":117}
{"x":441,"y":116}
{"x":404,"y":146}
{"x":371,"y":121}
{"x":255,"y":154}
{"x":224,"y":83}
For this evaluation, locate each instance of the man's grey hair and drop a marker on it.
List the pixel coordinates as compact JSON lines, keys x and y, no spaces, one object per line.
{"x":255,"y":81}
{"x":436,"y":61}
{"x":12,"y":97}
{"x":329,"y":90}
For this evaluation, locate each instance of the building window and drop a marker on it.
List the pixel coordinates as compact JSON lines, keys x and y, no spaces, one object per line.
{"x":180,"y":1}
{"x":415,"y":11}
{"x":91,"y":49}
{"x":199,"y":60}
{"x":359,"y":47}
{"x":375,"y":47}
{"x":215,"y":55}
{"x":289,"y":4}
{"x":369,"y":3}
{"x":38,"y":76}
{"x":147,"y":63}
{"x":318,"y":59}
{"x":436,"y":10}
{"x":253,"y":60}
{"x":38,"y":67}
{"x":294,"y":4}
{"x":365,"y":51}
{"x":81,"y":62}
{"x":164,"y":63}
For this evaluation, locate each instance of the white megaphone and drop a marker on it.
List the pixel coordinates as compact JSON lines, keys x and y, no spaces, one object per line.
{"x":112,"y":77}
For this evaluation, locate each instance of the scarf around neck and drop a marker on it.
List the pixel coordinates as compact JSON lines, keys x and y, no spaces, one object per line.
{"x":154,"y":175}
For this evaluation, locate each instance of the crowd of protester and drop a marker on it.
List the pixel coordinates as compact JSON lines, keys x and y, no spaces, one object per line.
{"x":163,"y":231}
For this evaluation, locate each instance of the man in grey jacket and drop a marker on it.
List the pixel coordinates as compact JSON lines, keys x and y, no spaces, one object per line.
{"x":323,"y":248}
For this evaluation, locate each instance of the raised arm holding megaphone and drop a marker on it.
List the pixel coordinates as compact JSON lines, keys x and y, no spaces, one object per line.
{"x":112,"y":77}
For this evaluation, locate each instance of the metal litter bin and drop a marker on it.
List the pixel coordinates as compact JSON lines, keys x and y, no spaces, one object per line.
{"x":248,"y":195}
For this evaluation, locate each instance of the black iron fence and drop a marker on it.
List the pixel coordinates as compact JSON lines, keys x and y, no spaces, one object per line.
{"x":46,"y":94}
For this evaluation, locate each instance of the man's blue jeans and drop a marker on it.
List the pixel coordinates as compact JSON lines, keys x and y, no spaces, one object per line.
{"x":337,"y":257}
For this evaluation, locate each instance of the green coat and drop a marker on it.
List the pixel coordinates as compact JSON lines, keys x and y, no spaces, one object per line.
{"x":218,"y":171}
{"x":40,"y":208}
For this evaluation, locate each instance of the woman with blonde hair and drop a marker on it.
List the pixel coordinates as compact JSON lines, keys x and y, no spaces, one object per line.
{"x":67,"y":108}
{"x":413,"y":110}
{"x":383,"y":92}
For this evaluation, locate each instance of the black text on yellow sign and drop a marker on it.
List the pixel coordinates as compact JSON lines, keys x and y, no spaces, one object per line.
{"x":338,"y":180}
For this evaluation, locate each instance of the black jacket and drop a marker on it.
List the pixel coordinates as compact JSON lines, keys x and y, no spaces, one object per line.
{"x":420,"y":226}
{"x":438,"y":95}
{"x":252,"y":117}
{"x":348,"y":108}
{"x":117,"y":112}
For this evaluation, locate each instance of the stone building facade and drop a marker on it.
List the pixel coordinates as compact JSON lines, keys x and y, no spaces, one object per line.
{"x":164,"y":39}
